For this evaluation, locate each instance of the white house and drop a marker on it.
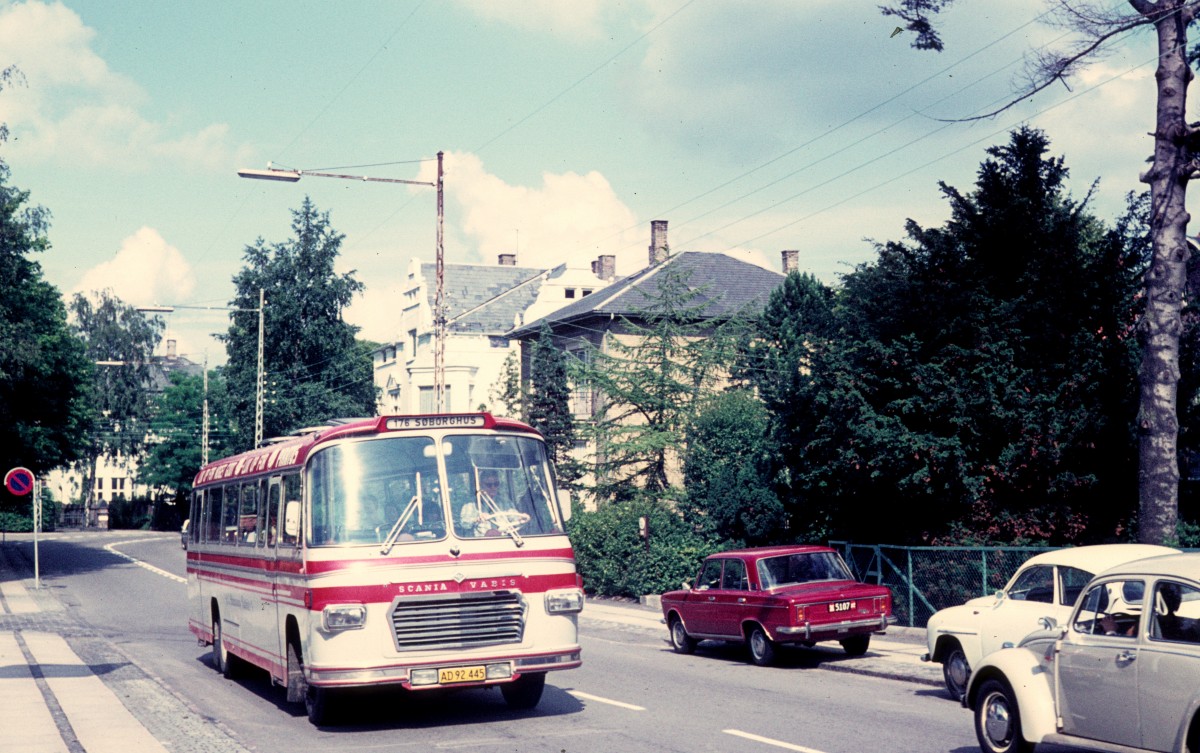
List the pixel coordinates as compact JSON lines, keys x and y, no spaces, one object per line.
{"x":482,"y":303}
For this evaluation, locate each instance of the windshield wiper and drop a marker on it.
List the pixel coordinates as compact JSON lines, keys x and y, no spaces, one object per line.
{"x":398,"y":526}
{"x":501,"y":518}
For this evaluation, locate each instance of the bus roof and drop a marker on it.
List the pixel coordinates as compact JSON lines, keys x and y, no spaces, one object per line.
{"x":293,"y":450}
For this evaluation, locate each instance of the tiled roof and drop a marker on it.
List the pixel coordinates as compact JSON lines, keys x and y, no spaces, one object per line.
{"x":484,"y":299}
{"x":728,"y":285}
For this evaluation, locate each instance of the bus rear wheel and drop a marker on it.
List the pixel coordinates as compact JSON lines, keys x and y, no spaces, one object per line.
{"x":225,"y":662}
{"x":525,"y":691}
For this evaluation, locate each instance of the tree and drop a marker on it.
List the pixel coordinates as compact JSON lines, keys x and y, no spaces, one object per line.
{"x":44,"y":374}
{"x":651,"y":377}
{"x":548,"y":404}
{"x":113,"y":331}
{"x":966,"y":380}
{"x":1175,"y":162}
{"x":729,"y":472}
{"x":507,"y":392}
{"x":177,"y":430}
{"x":314,"y":368}
{"x":776,"y":358}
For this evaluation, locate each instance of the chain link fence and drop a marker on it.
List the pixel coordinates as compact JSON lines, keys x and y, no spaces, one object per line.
{"x":924,"y":579}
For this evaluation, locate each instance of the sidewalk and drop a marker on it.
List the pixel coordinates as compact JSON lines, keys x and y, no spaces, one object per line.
{"x":64,"y":690}
{"x":895,"y":655}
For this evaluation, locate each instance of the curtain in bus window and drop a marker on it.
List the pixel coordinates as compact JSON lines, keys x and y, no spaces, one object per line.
{"x":361,"y":490}
{"x":291,"y":494}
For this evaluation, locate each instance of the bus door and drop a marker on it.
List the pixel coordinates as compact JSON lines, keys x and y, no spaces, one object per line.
{"x":272,"y":614}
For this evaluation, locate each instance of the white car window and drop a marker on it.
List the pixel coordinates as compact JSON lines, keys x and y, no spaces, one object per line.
{"x":1112,"y":608}
{"x":1176,"y":613}
{"x":1034,"y":584}
{"x":1071,"y":581}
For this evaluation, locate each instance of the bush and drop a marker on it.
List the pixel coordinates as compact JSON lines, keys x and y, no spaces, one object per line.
{"x":129,"y":513}
{"x":614,"y":560}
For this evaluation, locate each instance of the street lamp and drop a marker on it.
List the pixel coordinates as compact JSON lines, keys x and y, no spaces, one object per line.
{"x":439,"y":305}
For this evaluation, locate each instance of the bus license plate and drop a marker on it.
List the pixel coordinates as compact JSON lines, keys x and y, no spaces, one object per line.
{"x":842,"y":606}
{"x":451,"y":675}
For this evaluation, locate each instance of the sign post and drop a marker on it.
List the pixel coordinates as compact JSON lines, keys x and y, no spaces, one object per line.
{"x":21,"y":481}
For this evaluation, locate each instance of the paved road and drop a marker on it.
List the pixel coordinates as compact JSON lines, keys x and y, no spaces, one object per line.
{"x":70,"y":686}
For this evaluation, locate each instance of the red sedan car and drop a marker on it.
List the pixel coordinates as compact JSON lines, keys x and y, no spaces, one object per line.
{"x":773,"y":595}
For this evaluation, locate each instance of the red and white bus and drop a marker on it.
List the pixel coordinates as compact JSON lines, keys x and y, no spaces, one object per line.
{"x":422,"y":551}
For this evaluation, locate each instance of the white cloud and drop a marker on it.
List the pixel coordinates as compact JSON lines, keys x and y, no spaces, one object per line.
{"x":146,"y":270}
{"x":74,"y":109}
{"x":543,"y":224}
{"x":578,"y":18}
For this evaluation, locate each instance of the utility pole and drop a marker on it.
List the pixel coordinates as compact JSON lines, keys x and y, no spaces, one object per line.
{"x":258,"y":399}
{"x":204,"y":427}
{"x":439,"y":306}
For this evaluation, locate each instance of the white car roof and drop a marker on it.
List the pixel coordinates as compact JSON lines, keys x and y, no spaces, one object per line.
{"x":1100,"y":556}
{"x":1186,"y":565}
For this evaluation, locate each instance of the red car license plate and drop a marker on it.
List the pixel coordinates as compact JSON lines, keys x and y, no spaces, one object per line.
{"x":842,"y":606}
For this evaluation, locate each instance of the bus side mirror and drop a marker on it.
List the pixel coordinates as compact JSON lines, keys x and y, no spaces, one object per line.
{"x":291,"y":519}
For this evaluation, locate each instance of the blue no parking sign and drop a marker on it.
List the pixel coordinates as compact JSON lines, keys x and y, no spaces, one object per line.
{"x":19,"y":481}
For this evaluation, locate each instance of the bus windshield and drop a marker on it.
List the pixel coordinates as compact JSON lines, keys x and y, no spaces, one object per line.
{"x":389,"y":491}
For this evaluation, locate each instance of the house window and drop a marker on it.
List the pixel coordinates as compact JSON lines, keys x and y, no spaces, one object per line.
{"x":570,"y":292}
{"x":583,"y":394}
{"x":429,"y":405}
{"x":412,"y":342}
{"x":587,"y":291}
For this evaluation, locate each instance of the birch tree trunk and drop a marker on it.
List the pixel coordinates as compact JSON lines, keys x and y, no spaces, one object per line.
{"x":1157,"y":422}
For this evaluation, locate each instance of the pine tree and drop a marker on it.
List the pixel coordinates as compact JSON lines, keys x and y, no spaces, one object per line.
{"x":547,"y":404}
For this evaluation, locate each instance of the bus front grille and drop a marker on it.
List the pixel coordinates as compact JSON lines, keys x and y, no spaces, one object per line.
{"x":459,"y":621}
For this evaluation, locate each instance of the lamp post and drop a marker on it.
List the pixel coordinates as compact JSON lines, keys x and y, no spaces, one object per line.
{"x":439,"y":305}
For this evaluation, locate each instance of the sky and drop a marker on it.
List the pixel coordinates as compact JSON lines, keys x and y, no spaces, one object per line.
{"x":567,"y":127}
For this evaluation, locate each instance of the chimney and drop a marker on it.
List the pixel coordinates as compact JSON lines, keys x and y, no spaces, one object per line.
{"x":508,"y":260}
{"x":170,"y":348}
{"x":605,"y":267}
{"x":658,"y":242}
{"x":791,"y":261}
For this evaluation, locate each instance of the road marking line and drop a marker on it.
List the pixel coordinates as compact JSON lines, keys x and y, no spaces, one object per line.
{"x":589,"y":697}
{"x":769,"y":741}
{"x":139,"y":563}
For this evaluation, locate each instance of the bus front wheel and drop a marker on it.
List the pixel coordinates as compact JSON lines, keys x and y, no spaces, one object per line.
{"x":525,"y":691}
{"x":316,"y":700}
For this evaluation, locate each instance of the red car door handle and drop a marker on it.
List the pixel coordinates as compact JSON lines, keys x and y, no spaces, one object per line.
{"x":741,"y":600}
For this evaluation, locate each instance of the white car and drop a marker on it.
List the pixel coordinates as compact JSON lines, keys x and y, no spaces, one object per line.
{"x":1045,"y":586}
{"x":1121,"y":673}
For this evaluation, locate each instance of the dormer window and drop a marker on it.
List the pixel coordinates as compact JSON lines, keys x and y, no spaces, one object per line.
{"x":570,"y":292}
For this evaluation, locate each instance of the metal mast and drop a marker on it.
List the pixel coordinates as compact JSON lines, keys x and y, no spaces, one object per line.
{"x":439,"y":306}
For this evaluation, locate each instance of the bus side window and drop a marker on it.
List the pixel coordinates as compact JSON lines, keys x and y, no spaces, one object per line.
{"x":216,"y":506}
{"x":195,"y":513}
{"x":248,"y":515}
{"x":229,"y":513}
{"x":270,"y":514}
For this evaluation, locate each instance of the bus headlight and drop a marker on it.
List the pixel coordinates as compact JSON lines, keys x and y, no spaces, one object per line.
{"x":343,"y":617}
{"x":564,"y":602}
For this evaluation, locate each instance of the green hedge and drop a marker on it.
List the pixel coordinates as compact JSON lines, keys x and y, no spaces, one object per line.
{"x":615,"y":560}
